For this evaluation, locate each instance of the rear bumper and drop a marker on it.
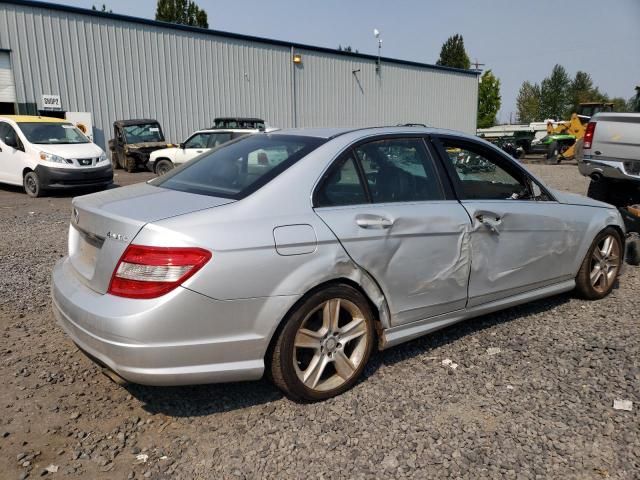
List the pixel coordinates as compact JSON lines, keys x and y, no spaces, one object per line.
{"x":181,"y":338}
{"x":53,"y":178}
{"x":615,"y":170}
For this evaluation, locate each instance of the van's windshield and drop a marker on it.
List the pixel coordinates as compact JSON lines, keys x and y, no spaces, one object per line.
{"x":52,"y":133}
{"x":238,"y":168}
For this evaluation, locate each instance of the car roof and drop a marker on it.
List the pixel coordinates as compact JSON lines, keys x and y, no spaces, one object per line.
{"x":227,"y":130}
{"x":135,"y":121}
{"x":330,"y":133}
{"x":33,"y":119}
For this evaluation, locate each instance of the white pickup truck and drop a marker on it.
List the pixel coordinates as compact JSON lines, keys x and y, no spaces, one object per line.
{"x":610,"y":155}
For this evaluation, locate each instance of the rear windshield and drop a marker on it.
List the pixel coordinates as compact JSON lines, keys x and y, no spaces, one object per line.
{"x":240,"y":167}
{"x":52,"y":133}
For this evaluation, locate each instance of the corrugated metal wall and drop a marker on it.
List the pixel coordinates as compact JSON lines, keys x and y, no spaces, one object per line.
{"x":123,"y":69}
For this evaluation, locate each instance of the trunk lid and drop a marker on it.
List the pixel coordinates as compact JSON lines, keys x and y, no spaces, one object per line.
{"x":103,"y":225}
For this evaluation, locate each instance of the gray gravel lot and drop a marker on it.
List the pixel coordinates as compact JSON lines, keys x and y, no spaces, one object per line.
{"x":539,"y":404}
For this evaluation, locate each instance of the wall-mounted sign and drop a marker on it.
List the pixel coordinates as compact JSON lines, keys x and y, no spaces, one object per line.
{"x":51,"y":102}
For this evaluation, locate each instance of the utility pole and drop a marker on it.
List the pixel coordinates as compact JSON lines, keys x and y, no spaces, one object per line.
{"x":478,"y":65}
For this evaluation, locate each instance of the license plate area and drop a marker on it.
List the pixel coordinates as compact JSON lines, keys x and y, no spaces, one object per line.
{"x":84,"y":248}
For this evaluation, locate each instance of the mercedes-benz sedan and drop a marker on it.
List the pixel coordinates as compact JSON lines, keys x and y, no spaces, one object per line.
{"x":299,"y":252}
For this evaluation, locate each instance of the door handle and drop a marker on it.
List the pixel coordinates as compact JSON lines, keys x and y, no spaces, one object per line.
{"x":373,"y":221}
{"x":199,"y":151}
{"x":491,"y":223}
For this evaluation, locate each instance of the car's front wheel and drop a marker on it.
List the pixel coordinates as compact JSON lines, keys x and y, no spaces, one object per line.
{"x":601,"y":266}
{"x":324,"y":344}
{"x":32,"y":184}
{"x":163,"y":166}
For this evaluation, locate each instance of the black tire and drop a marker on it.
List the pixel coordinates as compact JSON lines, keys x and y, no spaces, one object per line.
{"x":130,"y":164}
{"x":584,"y":287}
{"x":163,"y":166}
{"x":32,"y":185}
{"x":553,"y":153}
{"x":599,"y":190}
{"x":284,"y":363}
{"x":115,"y":163}
{"x":632,"y":255}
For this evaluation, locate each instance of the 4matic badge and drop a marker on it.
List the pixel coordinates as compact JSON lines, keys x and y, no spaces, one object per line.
{"x":117,"y":236}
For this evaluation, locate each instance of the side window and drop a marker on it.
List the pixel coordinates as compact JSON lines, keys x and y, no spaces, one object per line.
{"x":342,"y":186}
{"x":217,"y":139}
{"x":484,"y":176}
{"x":199,"y":140}
{"x":8,"y":135}
{"x":3,"y":132}
{"x":399,"y":170}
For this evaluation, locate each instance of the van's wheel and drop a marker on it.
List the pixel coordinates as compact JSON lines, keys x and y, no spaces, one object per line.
{"x":130,"y":164}
{"x":324,"y":344}
{"x":599,"y":190}
{"x":32,"y":185}
{"x":163,"y":166}
{"x":553,"y":152}
{"x":600,"y":267}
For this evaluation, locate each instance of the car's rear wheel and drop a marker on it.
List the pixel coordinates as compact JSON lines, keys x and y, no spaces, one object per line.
{"x":130,"y":164}
{"x":601,"y":266}
{"x":163,"y":166}
{"x":324,"y":344}
{"x":32,"y":184}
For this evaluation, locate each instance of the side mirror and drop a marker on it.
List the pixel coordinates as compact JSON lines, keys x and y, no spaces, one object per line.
{"x":182,"y":146}
{"x":112,"y":145}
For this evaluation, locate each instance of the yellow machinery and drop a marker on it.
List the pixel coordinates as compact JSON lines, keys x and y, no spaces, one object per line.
{"x":565,"y":146}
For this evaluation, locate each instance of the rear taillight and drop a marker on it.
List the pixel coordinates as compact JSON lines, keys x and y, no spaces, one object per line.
{"x":588,"y":135}
{"x":149,"y":272}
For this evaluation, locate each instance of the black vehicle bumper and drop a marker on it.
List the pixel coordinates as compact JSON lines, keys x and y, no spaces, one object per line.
{"x":52,"y":178}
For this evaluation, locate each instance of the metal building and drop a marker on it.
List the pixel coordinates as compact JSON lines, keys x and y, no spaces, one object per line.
{"x":54,"y":57}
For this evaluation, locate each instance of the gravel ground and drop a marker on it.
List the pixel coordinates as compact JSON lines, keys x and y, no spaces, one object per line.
{"x":532,"y":396}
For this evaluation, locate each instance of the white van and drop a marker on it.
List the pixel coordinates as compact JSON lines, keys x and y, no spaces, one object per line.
{"x":42,"y":153}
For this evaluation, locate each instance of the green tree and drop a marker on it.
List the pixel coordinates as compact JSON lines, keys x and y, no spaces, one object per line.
{"x":348,"y":48}
{"x":555,"y":94}
{"x":183,"y":12}
{"x":453,"y":53}
{"x":619,"y":104}
{"x":634,"y":102}
{"x":528,"y":103}
{"x":580,"y":91}
{"x":488,"y":99}
{"x":103,"y":9}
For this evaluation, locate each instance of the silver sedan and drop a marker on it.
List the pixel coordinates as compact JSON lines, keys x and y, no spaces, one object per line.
{"x":297,"y":253}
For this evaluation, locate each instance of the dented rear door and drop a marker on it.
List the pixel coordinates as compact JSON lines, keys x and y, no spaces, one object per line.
{"x":386,"y":204}
{"x":421,"y":260}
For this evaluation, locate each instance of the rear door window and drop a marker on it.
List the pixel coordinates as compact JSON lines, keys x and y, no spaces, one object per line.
{"x":216,"y":139}
{"x":399,"y":170}
{"x":342,"y":186}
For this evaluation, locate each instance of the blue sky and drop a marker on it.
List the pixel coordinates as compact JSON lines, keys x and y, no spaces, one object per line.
{"x":518,"y":39}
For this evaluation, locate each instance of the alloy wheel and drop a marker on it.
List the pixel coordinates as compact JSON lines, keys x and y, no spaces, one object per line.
{"x":605,"y":263}
{"x":330,"y":345}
